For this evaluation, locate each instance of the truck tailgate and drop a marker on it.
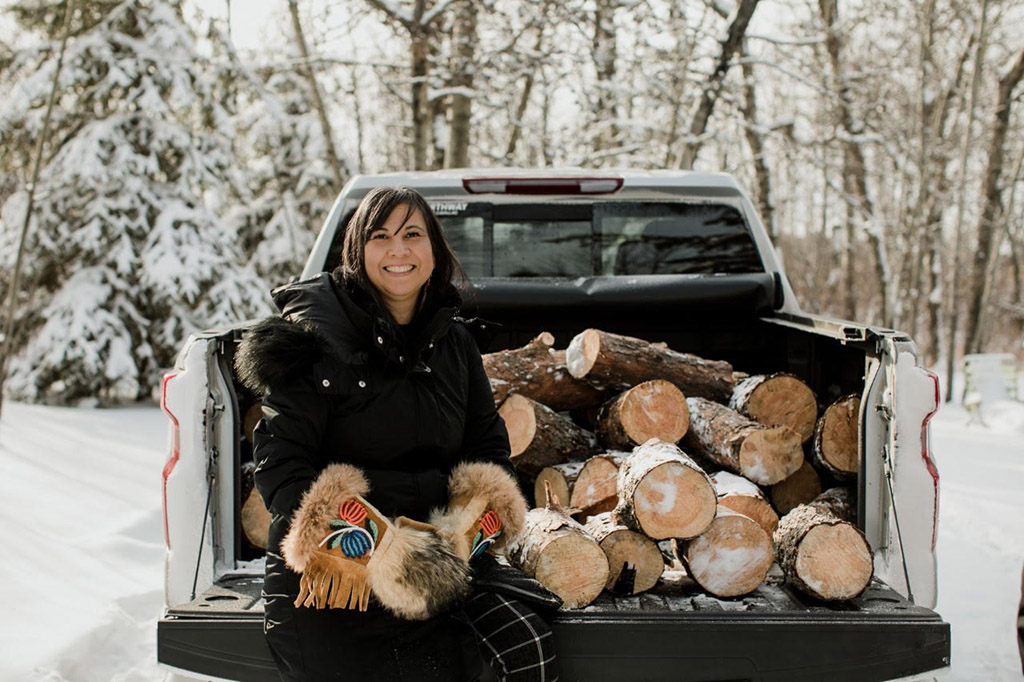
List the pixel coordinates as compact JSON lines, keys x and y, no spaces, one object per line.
{"x":673,"y":633}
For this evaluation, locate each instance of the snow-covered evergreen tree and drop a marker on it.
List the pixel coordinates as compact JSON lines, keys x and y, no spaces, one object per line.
{"x":128,"y":250}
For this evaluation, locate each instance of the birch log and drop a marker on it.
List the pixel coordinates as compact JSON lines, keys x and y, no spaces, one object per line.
{"x":731,"y":557}
{"x":799,"y":488}
{"x":653,"y":409}
{"x":663,"y":493}
{"x":614,"y":362}
{"x":596,"y":487}
{"x":777,"y":400}
{"x":540,"y":437}
{"x":821,"y":554}
{"x":634,"y":560}
{"x":836,"y":444}
{"x":561,"y":555}
{"x":762,"y":454}
{"x":743,"y":497}
{"x":557,"y":481}
{"x":538,"y":372}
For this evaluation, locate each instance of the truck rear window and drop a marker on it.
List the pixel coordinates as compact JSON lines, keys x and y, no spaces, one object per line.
{"x":580,"y":240}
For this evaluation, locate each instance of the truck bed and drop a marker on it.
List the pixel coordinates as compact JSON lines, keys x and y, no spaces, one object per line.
{"x":674,"y":633}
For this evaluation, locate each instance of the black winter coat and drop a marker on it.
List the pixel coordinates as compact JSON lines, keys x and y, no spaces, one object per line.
{"x":405,"y":405}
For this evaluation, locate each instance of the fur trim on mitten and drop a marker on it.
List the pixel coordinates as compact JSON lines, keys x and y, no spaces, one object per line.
{"x":344,"y":549}
{"x":485,"y":508}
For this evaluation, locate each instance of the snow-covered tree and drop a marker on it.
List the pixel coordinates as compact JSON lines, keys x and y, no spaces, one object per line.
{"x":128,"y":251}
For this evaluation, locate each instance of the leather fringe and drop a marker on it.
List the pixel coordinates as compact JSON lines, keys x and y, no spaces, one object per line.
{"x":332,"y":582}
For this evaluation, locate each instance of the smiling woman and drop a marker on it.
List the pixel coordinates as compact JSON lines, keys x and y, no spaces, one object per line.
{"x":399,"y":261}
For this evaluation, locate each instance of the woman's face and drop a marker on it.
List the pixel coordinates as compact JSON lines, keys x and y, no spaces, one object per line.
{"x":399,"y":260}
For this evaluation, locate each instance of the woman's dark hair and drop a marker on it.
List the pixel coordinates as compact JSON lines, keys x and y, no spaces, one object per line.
{"x":370,"y":215}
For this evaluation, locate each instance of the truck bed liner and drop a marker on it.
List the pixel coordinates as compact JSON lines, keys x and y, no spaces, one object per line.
{"x":674,"y":632}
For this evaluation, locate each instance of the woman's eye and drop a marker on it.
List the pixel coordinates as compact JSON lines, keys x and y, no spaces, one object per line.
{"x":379,"y":235}
{"x":413,"y":234}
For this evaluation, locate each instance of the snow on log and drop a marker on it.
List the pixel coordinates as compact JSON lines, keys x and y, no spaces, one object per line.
{"x":780,"y":399}
{"x":799,"y":488}
{"x":559,"y":553}
{"x":729,"y":559}
{"x":634,"y":560}
{"x":538,"y":372}
{"x":762,"y":454}
{"x":652,"y":409}
{"x":743,"y":497}
{"x":821,"y":554}
{"x":540,"y":437}
{"x":836,"y":438}
{"x":663,"y":493}
{"x":614,"y":362}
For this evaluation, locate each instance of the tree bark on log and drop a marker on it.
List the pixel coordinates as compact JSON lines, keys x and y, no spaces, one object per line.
{"x":799,"y":488}
{"x":653,"y":409}
{"x":634,"y":560}
{"x":540,"y":437}
{"x":822,"y":555}
{"x":614,"y":362}
{"x":777,"y":400}
{"x":663,"y":493}
{"x":254,"y":517}
{"x":762,"y":454}
{"x":731,"y":557}
{"x":743,"y":497}
{"x":538,"y":371}
{"x":561,"y":555}
{"x":836,"y":436}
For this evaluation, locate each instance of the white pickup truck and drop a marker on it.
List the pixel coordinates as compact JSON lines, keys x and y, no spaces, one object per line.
{"x":679,"y":257}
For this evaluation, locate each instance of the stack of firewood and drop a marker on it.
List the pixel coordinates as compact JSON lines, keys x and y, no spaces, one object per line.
{"x":628,"y":443}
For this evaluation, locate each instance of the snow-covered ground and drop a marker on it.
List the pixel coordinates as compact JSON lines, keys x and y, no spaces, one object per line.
{"x":80,"y":522}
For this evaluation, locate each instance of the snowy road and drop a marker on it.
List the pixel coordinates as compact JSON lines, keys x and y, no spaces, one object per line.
{"x":80,"y":520}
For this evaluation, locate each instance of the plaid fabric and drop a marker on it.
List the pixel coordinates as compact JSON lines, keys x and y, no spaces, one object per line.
{"x":515,"y":641}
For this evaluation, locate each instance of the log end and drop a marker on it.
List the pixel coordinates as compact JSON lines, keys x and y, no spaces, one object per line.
{"x":550,"y":479}
{"x":596,"y":483}
{"x":731,"y":558}
{"x":757,"y":509}
{"x":674,"y":501}
{"x":582,"y":352}
{"x":771,"y":454}
{"x":799,"y":488}
{"x":520,"y":421}
{"x":834,"y":561}
{"x":785,"y":400}
{"x":837,"y":436}
{"x":634,"y":562}
{"x":575,"y":568}
{"x":654,"y":409}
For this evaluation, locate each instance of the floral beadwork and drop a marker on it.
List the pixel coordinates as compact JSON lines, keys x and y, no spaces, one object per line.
{"x":353,"y":539}
{"x":490,"y":530}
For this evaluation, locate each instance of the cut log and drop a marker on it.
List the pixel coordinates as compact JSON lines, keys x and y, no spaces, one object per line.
{"x":839,"y":502}
{"x":653,"y":409}
{"x":634,"y":560}
{"x":540,"y":437}
{"x":252,"y":417}
{"x":762,"y":454}
{"x":561,"y":555}
{"x":663,"y":493}
{"x":614,"y":362}
{"x":777,"y":400}
{"x":743,"y":497}
{"x":538,"y":372}
{"x":596,"y":488}
{"x":556,"y":481}
{"x":822,"y":555}
{"x":800,"y":488}
{"x":836,"y":447}
{"x":255,"y":519}
{"x":730,"y":558}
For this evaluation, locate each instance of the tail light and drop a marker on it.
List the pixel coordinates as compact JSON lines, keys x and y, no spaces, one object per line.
{"x":926,"y":454}
{"x":175,"y":448}
{"x":549,"y":185}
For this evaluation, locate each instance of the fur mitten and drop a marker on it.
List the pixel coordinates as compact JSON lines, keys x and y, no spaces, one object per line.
{"x":345,"y":549}
{"x":485,"y":508}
